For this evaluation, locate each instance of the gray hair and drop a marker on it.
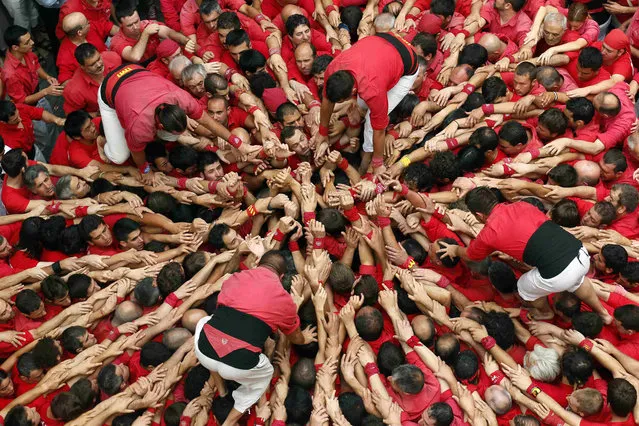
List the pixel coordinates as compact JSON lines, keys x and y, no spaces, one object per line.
{"x":557,"y":19}
{"x":384,"y":22}
{"x":31,"y":174}
{"x":191,"y":71}
{"x":178,"y":63}
{"x":63,"y":188}
{"x":548,"y":76}
{"x":543,"y":364}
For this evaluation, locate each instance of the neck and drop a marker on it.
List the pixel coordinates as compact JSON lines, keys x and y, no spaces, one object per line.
{"x":15,"y":182}
{"x":505,"y":15}
{"x":18,"y":55}
{"x":78,"y":40}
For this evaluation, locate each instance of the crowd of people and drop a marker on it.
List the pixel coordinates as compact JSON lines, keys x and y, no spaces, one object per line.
{"x":313,"y":212}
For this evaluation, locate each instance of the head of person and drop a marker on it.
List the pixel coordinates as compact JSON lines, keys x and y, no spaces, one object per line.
{"x":146,"y":292}
{"x":577,"y":366}
{"x":565,"y":213}
{"x":513,"y":138}
{"x":71,"y":187}
{"x":509,"y":5}
{"x":418,"y":177}
{"x":304,"y":56}
{"x":624,"y":197}
{"x":18,"y":40}
{"x":176,"y":66}
{"x":75,"y":339}
{"x":296,"y":140}
{"x":153,"y":354}
{"x":210,"y":12}
{"x":351,"y":16}
{"x":36,"y":178}
{"x":585,"y":402}
{"x":554,"y":28}
{"x":251,"y":62}
{"x":156,"y":154}
{"x":95,"y":231}
{"x":21,"y":415}
{"x":218,"y":109}
{"x":443,"y":9}
{"x":501,"y":328}
{"x":298,"y":29}
{"x":369,"y":323}
{"x":80,"y":126}
{"x":495,"y":90}
{"x":493,"y":45}
{"x":184,"y":159}
{"x":170,"y":121}
{"x":128,"y":234}
{"x":577,"y":15}
{"x":223,"y":236}
{"x":128,"y":19}
{"x":389,"y":357}
{"x":7,"y":389}
{"x":502,"y":277}
{"x":237,"y":41}
{"x":466,"y":367}
{"x":407,"y":379}
{"x":30,"y":305}
{"x":55,"y":290}
{"x":173,"y":413}
{"x":298,"y":404}
{"x":445,"y":167}
{"x":628,"y":278}
{"x":438,"y":414}
{"x":524,"y":78}
{"x":615,"y":45}
{"x":170,"y":278}
{"x":424,"y":329}
{"x":474,"y":55}
{"x":89,"y":59}
{"x":588,"y":323}
{"x":626,"y":319}
{"x":480,"y":202}
{"x":288,"y":114}
{"x":498,"y":399}
{"x":607,"y":104}
{"x":125,"y":312}
{"x":447,"y":347}
{"x":565,"y":305}
{"x":622,"y":396}
{"x":611,"y":259}
{"x":227,"y":22}
{"x":47,"y":352}
{"x":210,"y":166}
{"x":549,"y":78}
{"x":563,"y":175}
{"x":460,"y":74}
{"x":542,"y":363}
{"x":76,"y":26}
{"x":425,"y":45}
{"x":588,"y":172}
{"x":193,"y":79}
{"x":28,"y":368}
{"x":320,"y":63}
{"x":113,"y":378}
{"x":589,"y":63}
{"x":13,"y":162}
{"x":552,"y":124}
{"x":340,"y":86}
{"x":632,"y":143}
{"x":579,"y":112}
{"x":341,"y":278}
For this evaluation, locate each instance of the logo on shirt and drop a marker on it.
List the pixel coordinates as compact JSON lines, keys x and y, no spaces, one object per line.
{"x":124,"y":71}
{"x":224,"y":341}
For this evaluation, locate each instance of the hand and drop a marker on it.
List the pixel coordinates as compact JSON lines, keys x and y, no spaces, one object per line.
{"x":80,"y":308}
{"x":519,"y":377}
{"x":388,"y":300}
{"x":309,"y":334}
{"x":7,"y":293}
{"x":448,"y":250}
{"x":573,"y":337}
{"x":404,"y":330}
{"x":54,"y":90}
{"x":15,"y":338}
{"x":151,"y":29}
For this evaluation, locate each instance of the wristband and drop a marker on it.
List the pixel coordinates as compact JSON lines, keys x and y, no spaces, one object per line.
{"x":438,"y":215}
{"x":113,"y":334}
{"x":383,"y":222}
{"x":229,"y":73}
{"x":278,"y":423}
{"x":314,"y":103}
{"x":620,"y":290}
{"x":379,"y":188}
{"x":343,"y":165}
{"x":370,"y":235}
{"x":508,"y":171}
{"x":468,"y":88}
{"x":351,"y":214}
{"x":377,"y":162}
{"x":251,"y":211}
{"x":151,"y":410}
{"x":181,"y":183}
{"x":497,"y":376}
{"x":274,"y":51}
{"x":488,"y":109}
{"x":330,"y":9}
{"x":488,"y":342}
{"x":411,"y":16}
{"x":409,"y":264}
{"x":211,"y":148}
{"x":185,"y":421}
{"x":490,"y":123}
{"x":323,"y":130}
{"x":370,"y":270}
{"x":318,"y":243}
{"x":371,"y":369}
{"x":507,"y":160}
{"x":405,"y":161}
{"x":507,"y":117}
{"x":345,"y":121}
{"x":293,"y":246}
{"x":119,"y":300}
{"x":235,"y":141}
{"x":259,"y":421}
{"x":343,"y":26}
{"x":524,"y":316}
{"x":145,"y":168}
{"x":307,"y":217}
{"x":414,"y":341}
{"x":534,"y":153}
{"x":394,"y":133}
{"x":171,"y":300}
{"x":452,"y":143}
{"x":586,"y":344}
{"x":278,"y":235}
{"x":533,"y":390}
{"x":243,"y":267}
{"x":54,"y":207}
{"x":511,"y":58}
{"x":57,"y":269}
{"x":387,"y":283}
{"x":556,"y":96}
{"x":81,"y":211}
{"x":404,"y":190}
{"x":554,"y":420}
{"x":443,"y":282}
{"x":213,"y":186}
{"x":259,"y":18}
{"x":253,"y":109}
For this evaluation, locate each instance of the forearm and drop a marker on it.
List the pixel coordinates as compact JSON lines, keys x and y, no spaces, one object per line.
{"x":592,"y":148}
{"x":33,"y":99}
{"x":137,"y":52}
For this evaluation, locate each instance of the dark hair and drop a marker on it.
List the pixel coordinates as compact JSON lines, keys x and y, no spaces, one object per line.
{"x":299,"y":405}
{"x":46,"y":353}
{"x":427,"y":42}
{"x":581,"y":108}
{"x":484,"y":138}
{"x":28,"y":301}
{"x":228,"y":20}
{"x":577,"y":366}
{"x":66,"y":406}
{"x":442,"y":413}
{"x":251,"y":60}
{"x":615,"y":156}
{"x":17,"y":416}
{"x":70,"y":339}
{"x":286,"y":108}
{"x":303,"y":373}
{"x":369,"y":323}
{"x":493,"y":88}
{"x":218,"y":231}
{"x":50,"y":230}
{"x":54,"y":288}
{"x":554,"y":120}
{"x":474,"y":100}
{"x":502,"y":277}
{"x":89,"y":224}
{"x":320,"y":63}
{"x":170,"y":278}
{"x":27,"y":364}
{"x":628,"y":196}
{"x":194,"y":382}
{"x":631,"y":272}
{"x":409,"y":379}
{"x":466,"y":365}
{"x":352,"y":407}
{"x":351,"y":17}
{"x":622,"y":396}
{"x":419,"y":177}
{"x":83,"y":389}
{"x":474,"y":55}
{"x":445,"y":8}
{"x":13,"y":34}
{"x":7,"y":109}
{"x":615,"y":256}
{"x":526,"y":69}
{"x":341,"y":278}
{"x":564,"y":175}
{"x":74,"y":123}
{"x":146,"y":292}
{"x":389,"y":357}
{"x":162,"y":203}
{"x":514,"y":133}
{"x":295,"y":21}
{"x":108,"y":381}
{"x":470,"y":158}
{"x":154,"y":354}
{"x":182,"y":157}
{"x":13,"y":161}
{"x":193,"y":263}
{"x":606,"y":210}
{"x":567,"y":303}
{"x":367,"y":286}
{"x":501,"y":328}
{"x":590,"y":58}
{"x":173,"y":412}
{"x":445,"y":167}
{"x":481,"y":200}
{"x":447,"y":347}
{"x":339,"y":86}
{"x":124,"y":9}
{"x":628,"y":316}
{"x":172,"y":117}
{"x":84,"y":52}
{"x":274,"y":260}
{"x":123,"y":228}
{"x":516,"y":4}
{"x":261,"y":81}
{"x":588,"y":323}
{"x":333,"y":221}
{"x":565,"y":213}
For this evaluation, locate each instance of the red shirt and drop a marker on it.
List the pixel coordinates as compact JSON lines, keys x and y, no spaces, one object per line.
{"x":99,"y":16}
{"x":268,"y":302}
{"x":171,"y":12}
{"x":60,"y":153}
{"x":66,"y":61}
{"x":81,"y":153}
{"x":109,"y":220}
{"x":622,"y":66}
{"x":236,"y":118}
{"x":628,"y":225}
{"x":615,"y":130}
{"x":159,"y":67}
{"x":527,"y":219}
{"x":21,"y":80}
{"x":137,"y":99}
{"x":6,"y":348}
{"x":16,"y":200}
{"x":376,"y":67}
{"x":515,"y":29}
{"x":81,"y":92}
{"x":602,"y":75}
{"x":120,"y":41}
{"x":21,"y":135}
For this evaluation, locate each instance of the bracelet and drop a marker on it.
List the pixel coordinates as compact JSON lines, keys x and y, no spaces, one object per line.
{"x":323,"y":130}
{"x":488,"y":342}
{"x":253,"y":109}
{"x":507,"y":117}
{"x":452,"y":143}
{"x":181,"y":183}
{"x":371,"y":369}
{"x":443,"y":282}
{"x":533,"y":390}
{"x":394,"y":133}
{"x":411,"y":16}
{"x":54,"y":207}
{"x":490,"y":123}
{"x":330,"y":9}
{"x":468,"y":88}
{"x":343,"y":26}
{"x":211,"y":148}
{"x":414,"y":341}
{"x":235,"y":141}
{"x":409,"y":264}
{"x":278,"y":235}
{"x":185,"y":421}
{"x":213,"y":186}
{"x":228,"y":74}
{"x":508,"y":171}
{"x":318,"y":243}
{"x":352,"y":214}
{"x":278,"y":423}
{"x":171,"y":300}
{"x":293,"y":246}
{"x":145,"y":168}
{"x":405,"y":161}
{"x":379,"y":188}
{"x":556,"y":96}
{"x":488,"y":109}
{"x":151,"y":410}
{"x":438,"y":215}
{"x":377,"y":162}
{"x":259,"y":18}
{"x":620,"y":290}
{"x":370,"y":270}
{"x":81,"y":211}
{"x":554,"y":420}
{"x":251,"y":211}
{"x":496,"y":377}
{"x":383,"y":222}
{"x":343,"y":165}
{"x":113,"y":334}
{"x":404,"y":190}
{"x":586,"y":344}
{"x":524,"y":316}
{"x":307,"y":217}
{"x":260,"y":421}
{"x":57,"y":269}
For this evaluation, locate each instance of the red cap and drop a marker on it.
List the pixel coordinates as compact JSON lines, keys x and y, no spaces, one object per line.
{"x":166,"y":48}
{"x":616,"y":39}
{"x":430,"y":23}
{"x":273,"y":98}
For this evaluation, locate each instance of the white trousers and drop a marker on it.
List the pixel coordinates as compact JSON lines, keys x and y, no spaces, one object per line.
{"x":116,"y":149}
{"x":394,"y":96}
{"x":531,"y":285}
{"x":253,"y":382}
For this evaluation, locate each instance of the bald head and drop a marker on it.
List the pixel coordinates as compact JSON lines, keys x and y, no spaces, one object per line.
{"x":126,"y":311}
{"x":498,"y":399}
{"x":175,"y":337}
{"x":550,"y":78}
{"x":291,"y":9}
{"x":423,"y":327}
{"x":460,"y":74}
{"x":304,"y":57}
{"x":493,"y":45}
{"x":607,"y":103}
{"x":192,"y":317}
{"x":588,"y":172}
{"x":73,"y":23}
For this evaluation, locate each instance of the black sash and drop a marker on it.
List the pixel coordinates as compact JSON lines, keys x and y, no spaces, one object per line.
{"x":407,"y":53}
{"x":551,"y":249}
{"x":114,"y":79}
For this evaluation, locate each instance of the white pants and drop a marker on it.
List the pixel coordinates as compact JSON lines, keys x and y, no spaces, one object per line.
{"x":394,"y":96}
{"x":116,"y":149}
{"x":531,"y":286}
{"x":253,"y":382}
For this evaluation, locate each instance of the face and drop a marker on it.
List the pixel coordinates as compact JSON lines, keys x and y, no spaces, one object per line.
{"x":319,"y":79}
{"x":235,"y":51}
{"x":613,"y":198}
{"x":26,"y":44}
{"x":93,"y":288}
{"x":89,"y":130}
{"x":599,"y":262}
{"x":15,"y":118}
{"x":298,"y":143}
{"x":294,"y":119}
{"x":571,"y":118}
{"x":458,"y":76}
{"x":101,"y":236}
{"x":130,"y":25}
{"x":522,"y":84}
{"x":432,"y":254}
{"x":232,"y":240}
{"x":508,"y":149}
{"x":32,"y":415}
{"x":6,"y":311}
{"x":575,"y":25}
{"x":213,"y":171}
{"x":218,"y":111}
{"x":585,"y":74}
{"x":609,"y":54}
{"x":544,"y":134}
{"x":222,"y":33}
{"x":88,"y":340}
{"x":6,"y":249}
{"x":426,"y":419}
{"x":553,"y":34}
{"x":196,"y":85}
{"x":210,"y":21}
{"x":301,"y":34}
{"x":6,"y":387}
{"x":500,"y":5}
{"x":591,"y":218}
{"x":607,"y":171}
{"x":304,"y":60}
{"x":163,"y":165}
{"x":122,"y":371}
{"x":63,"y":301}
{"x":38,"y":313}
{"x":43,"y":186}
{"x":134,"y":240}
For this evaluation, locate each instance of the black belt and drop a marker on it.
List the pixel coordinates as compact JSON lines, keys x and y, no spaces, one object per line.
{"x":407,"y":53}
{"x":114,"y":79}
{"x":551,"y":249}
